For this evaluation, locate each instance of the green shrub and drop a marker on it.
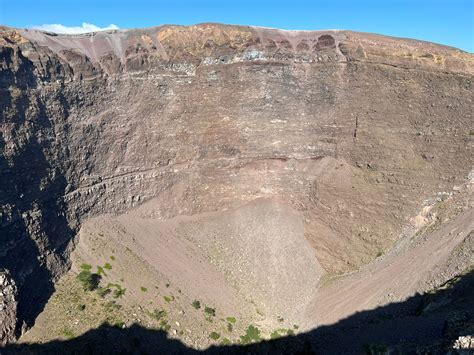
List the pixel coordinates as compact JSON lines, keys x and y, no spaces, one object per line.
{"x":68,"y":333}
{"x":108,"y":266}
{"x":168,"y":299}
{"x":112,"y":258}
{"x":158,"y":314}
{"x":210,"y":311}
{"x":230,"y":327}
{"x":164,"y":325}
{"x":112,"y":306}
{"x":143,"y":289}
{"x":103,"y":291}
{"x":225,"y":341}
{"x":88,"y":280}
{"x":101,"y":271}
{"x":231,"y":320}
{"x":86,"y":267}
{"x":119,"y":292}
{"x":252,"y":335}
{"x":196,"y":304}
{"x":214,"y":336}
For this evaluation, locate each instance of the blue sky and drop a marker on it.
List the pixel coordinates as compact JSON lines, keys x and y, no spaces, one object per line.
{"x":443,"y":21}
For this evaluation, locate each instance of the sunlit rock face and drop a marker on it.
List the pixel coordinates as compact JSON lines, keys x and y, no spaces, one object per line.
{"x":354,"y":131}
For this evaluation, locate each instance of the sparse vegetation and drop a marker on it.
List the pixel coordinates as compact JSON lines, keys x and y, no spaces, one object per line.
{"x":103,"y":291}
{"x":158,"y":314}
{"x":112,"y":257}
{"x":88,"y":280}
{"x":112,"y":306}
{"x":214,"y":336}
{"x":164,"y":325}
{"x":119,"y":290}
{"x":118,"y":293}
{"x":68,"y":333}
{"x":168,"y":299}
{"x":107,"y":266}
{"x":143,"y":289}
{"x":86,"y":267}
{"x":101,"y":271}
{"x":226,"y":341}
{"x":210,"y":311}
{"x":252,"y":335}
{"x":231,"y":320}
{"x":196,"y":304}
{"x":230,"y":327}
{"x":275,"y":334}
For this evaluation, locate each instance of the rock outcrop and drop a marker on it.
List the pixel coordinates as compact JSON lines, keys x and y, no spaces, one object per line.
{"x":8,"y":308}
{"x":355,"y":131}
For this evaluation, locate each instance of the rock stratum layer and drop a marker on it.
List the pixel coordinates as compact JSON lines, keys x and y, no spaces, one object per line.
{"x":357,"y":133}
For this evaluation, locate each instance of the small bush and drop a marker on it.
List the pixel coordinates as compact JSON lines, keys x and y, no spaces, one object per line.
{"x":168,"y":299}
{"x":108,"y":266}
{"x":112,"y":306}
{"x":230,"y":327}
{"x":112,"y":258}
{"x":158,"y":314}
{"x":252,"y":335}
{"x":196,"y":304}
{"x":143,"y":289}
{"x":231,"y":320}
{"x":275,"y":335}
{"x":119,"y":292}
{"x":68,"y":333}
{"x":103,"y":291}
{"x":88,"y":280}
{"x":86,"y":267}
{"x":101,"y":271}
{"x":164,"y":325}
{"x":225,"y":341}
{"x":214,"y":336}
{"x":210,"y":311}
{"x":81,"y":307}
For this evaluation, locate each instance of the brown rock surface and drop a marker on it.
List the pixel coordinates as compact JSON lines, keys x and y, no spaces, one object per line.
{"x":353,"y":132}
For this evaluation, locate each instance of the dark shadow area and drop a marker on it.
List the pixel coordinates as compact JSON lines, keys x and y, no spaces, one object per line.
{"x":423,"y":324}
{"x":34,"y":231}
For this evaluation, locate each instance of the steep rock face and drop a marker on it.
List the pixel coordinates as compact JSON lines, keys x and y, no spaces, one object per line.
{"x":8,"y":307}
{"x":354,"y":130}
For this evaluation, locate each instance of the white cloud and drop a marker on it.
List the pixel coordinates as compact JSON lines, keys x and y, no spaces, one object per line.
{"x":86,"y":27}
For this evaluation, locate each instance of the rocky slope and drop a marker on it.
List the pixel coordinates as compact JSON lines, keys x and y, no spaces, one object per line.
{"x":354,"y":132}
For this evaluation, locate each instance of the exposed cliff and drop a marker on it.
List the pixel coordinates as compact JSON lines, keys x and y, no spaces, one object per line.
{"x":355,"y":131}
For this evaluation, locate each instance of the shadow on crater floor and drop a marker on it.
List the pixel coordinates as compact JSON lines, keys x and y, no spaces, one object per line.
{"x":423,"y":324}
